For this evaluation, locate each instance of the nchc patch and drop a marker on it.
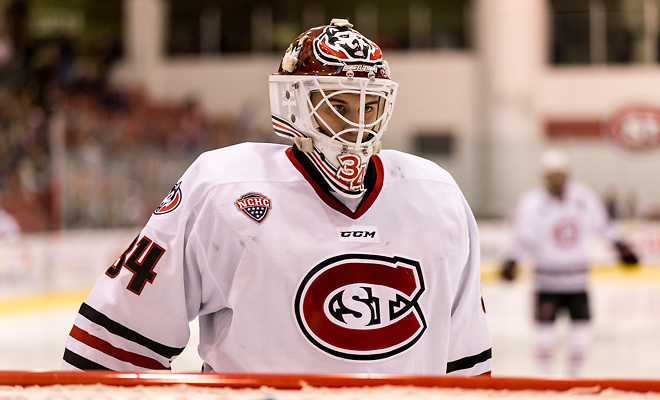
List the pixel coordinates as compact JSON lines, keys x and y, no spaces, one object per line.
{"x":172,"y":200}
{"x":254,"y":205}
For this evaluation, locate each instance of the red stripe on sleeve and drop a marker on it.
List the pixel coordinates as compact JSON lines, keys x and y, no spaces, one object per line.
{"x":120,"y":354}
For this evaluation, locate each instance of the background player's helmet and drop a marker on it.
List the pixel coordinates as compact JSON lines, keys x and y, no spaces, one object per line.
{"x":554,"y":167}
{"x":554,"y":160}
{"x":328,"y":61}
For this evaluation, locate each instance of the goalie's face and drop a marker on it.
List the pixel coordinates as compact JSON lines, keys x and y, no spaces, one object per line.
{"x":346,"y":116}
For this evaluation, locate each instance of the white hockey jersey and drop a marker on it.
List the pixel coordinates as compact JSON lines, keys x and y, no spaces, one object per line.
{"x":285,"y":279}
{"x":556,"y":235}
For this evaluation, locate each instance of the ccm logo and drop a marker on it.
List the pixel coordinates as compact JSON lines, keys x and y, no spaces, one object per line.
{"x":359,"y":234}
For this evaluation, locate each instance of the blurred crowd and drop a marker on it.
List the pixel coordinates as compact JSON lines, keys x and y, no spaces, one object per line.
{"x":71,"y":143}
{"x":78,"y":152}
{"x":24,"y":148}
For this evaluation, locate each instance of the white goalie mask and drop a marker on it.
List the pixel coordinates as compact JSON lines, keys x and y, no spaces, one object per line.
{"x":333,"y":97}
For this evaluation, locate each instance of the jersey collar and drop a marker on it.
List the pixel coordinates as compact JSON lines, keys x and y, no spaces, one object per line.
{"x":373,"y":183}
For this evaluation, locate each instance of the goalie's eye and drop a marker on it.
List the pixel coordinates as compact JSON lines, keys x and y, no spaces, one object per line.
{"x":339,"y":107}
{"x":371,"y":107}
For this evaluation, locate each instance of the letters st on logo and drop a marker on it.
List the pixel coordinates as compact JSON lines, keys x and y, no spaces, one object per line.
{"x":362,"y":307}
{"x":255,"y":205}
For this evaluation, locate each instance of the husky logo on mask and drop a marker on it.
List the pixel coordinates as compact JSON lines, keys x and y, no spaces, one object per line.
{"x":341,"y":46}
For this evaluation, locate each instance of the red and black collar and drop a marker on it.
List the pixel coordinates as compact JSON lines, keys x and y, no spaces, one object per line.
{"x":373,"y":182}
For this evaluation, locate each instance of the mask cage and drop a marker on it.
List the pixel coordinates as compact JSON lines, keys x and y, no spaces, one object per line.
{"x":351,"y":132}
{"x":305,"y":115}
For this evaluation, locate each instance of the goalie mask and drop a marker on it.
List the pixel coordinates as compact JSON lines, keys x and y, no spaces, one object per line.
{"x":333,"y":96}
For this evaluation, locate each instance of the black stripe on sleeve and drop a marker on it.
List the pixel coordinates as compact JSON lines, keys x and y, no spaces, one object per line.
{"x":128,"y":334}
{"x":81,"y":362}
{"x":469,"y":362}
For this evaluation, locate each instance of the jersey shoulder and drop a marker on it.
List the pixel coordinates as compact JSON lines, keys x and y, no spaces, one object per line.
{"x":531,"y":201}
{"x":399,"y":165}
{"x":581,"y":189}
{"x":242,"y":162}
{"x":232,"y":165}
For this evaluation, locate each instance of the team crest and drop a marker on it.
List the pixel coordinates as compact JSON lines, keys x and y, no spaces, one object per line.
{"x":340,"y":46}
{"x":172,"y":200}
{"x":362,"y":307}
{"x":635,"y":127}
{"x":255,"y":205}
{"x":566,"y":233}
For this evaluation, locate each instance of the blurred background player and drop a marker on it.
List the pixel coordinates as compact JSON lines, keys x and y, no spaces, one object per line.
{"x":553,"y":226}
{"x":315,"y":257}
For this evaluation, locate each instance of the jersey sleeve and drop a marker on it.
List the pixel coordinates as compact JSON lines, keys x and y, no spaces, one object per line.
{"x":470,"y":345}
{"x":524,"y":233}
{"x":600,"y":220}
{"x":138,"y":312}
